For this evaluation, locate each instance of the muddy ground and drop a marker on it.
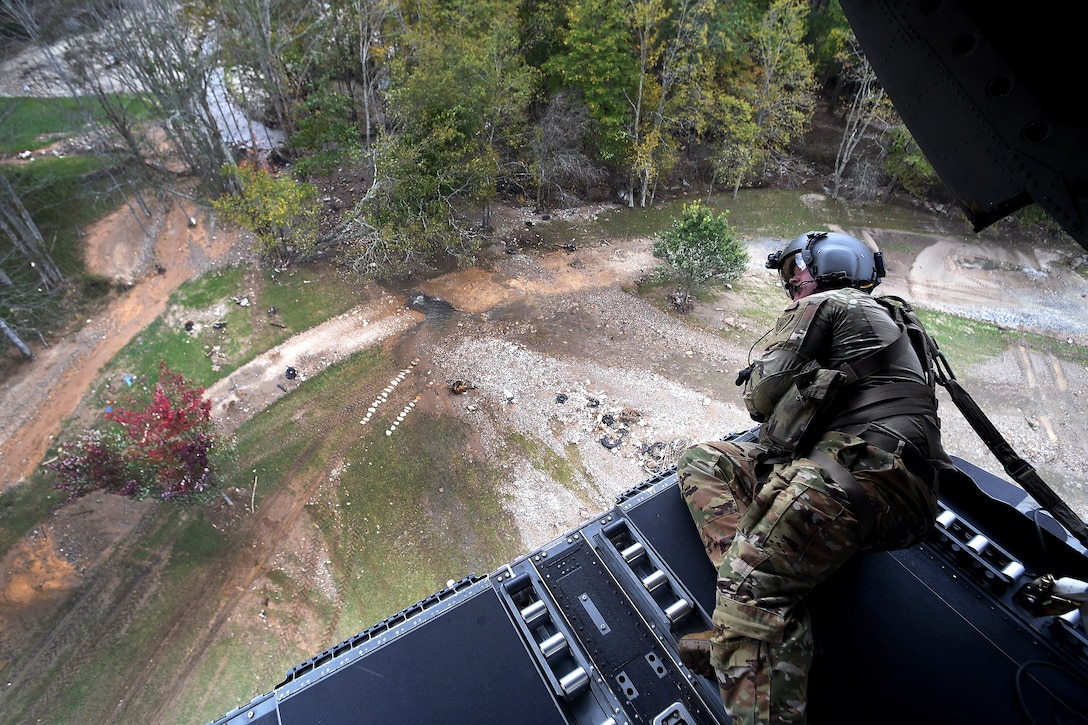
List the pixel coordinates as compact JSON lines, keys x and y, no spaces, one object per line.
{"x":524,"y":329}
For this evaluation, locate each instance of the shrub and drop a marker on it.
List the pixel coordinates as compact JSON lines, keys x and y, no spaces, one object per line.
{"x":282,"y":212}
{"x":166,"y":446}
{"x":700,"y":247}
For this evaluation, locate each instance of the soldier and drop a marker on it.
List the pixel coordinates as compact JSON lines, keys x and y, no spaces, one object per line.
{"x":848,"y":460}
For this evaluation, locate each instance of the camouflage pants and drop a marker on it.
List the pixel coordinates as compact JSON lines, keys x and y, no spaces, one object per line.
{"x":772,"y":538}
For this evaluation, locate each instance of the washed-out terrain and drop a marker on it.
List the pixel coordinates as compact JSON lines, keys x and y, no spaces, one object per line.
{"x":557,"y":345}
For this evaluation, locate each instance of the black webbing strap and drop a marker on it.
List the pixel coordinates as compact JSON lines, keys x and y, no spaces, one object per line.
{"x":1020,"y":470}
{"x":859,"y":500}
{"x":894,"y":399}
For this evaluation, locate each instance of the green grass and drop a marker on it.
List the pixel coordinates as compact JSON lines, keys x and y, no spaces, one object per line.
{"x":410,"y":512}
{"x":301,"y":303}
{"x":33,"y":123}
{"x":405,"y":513}
{"x":22,"y":508}
{"x":566,"y":470}
{"x":774,"y":213}
{"x":967,"y":342}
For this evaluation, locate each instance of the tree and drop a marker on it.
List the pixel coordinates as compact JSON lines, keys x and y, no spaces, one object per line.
{"x":282,"y":212}
{"x":667,"y":35}
{"x":163,"y":57}
{"x":367,"y":21}
{"x":458,"y":107}
{"x":18,"y":228}
{"x":560,"y":164}
{"x":735,"y":154}
{"x":166,"y":446}
{"x":781,"y":94}
{"x":869,"y":106}
{"x":907,"y":166}
{"x":699,"y":247}
{"x":597,"y":63}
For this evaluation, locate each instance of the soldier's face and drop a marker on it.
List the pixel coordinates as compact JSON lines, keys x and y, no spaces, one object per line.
{"x":797,"y":280}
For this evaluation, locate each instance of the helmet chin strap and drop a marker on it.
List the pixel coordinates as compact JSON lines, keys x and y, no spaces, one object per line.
{"x":792,"y":289}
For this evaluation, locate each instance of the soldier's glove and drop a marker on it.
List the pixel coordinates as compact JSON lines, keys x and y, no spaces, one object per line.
{"x":695,"y":653}
{"x":744,"y":375}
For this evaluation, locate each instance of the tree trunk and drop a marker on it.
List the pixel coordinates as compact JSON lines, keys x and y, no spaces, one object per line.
{"x":15,"y":339}
{"x":17,"y":224}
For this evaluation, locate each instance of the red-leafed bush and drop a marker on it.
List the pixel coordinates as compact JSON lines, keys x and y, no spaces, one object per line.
{"x":165,"y":446}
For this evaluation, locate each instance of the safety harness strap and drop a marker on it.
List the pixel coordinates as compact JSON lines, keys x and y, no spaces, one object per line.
{"x":860,"y":505}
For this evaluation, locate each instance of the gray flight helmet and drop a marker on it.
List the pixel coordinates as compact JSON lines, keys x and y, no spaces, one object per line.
{"x":833,"y":260}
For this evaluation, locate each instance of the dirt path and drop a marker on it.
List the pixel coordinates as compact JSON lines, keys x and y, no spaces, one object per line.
{"x":41,"y":394}
{"x":252,"y":387}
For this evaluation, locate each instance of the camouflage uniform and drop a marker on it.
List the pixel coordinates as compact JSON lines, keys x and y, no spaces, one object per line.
{"x":775,"y":528}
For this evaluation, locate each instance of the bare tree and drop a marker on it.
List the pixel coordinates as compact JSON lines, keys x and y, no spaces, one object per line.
{"x":18,"y":227}
{"x":560,"y":163}
{"x":14,"y":339}
{"x":371,"y":17}
{"x":868,"y":107}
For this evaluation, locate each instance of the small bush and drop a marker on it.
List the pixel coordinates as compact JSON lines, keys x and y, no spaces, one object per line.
{"x":282,"y":212}
{"x":165,"y":446}
{"x":700,"y":247}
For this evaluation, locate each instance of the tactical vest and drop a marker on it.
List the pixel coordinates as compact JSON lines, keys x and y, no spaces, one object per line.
{"x":822,"y":399}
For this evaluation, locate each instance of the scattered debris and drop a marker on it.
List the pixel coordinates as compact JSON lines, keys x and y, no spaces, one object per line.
{"x":460,"y":387}
{"x":658,"y":456}
{"x":613,"y":438}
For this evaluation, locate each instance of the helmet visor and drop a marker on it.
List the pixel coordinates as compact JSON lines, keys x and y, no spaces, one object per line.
{"x":791,"y":266}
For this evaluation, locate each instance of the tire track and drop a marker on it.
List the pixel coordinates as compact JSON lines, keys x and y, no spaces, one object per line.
{"x":91,"y":622}
{"x":272,"y":538}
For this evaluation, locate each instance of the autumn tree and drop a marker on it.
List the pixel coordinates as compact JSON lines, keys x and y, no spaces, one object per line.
{"x":781,"y":92}
{"x":164,"y":445}
{"x":699,"y":247}
{"x":280,"y":210}
{"x":667,"y":35}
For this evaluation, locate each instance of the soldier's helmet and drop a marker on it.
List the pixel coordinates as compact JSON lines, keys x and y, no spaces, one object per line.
{"x":833,"y":259}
